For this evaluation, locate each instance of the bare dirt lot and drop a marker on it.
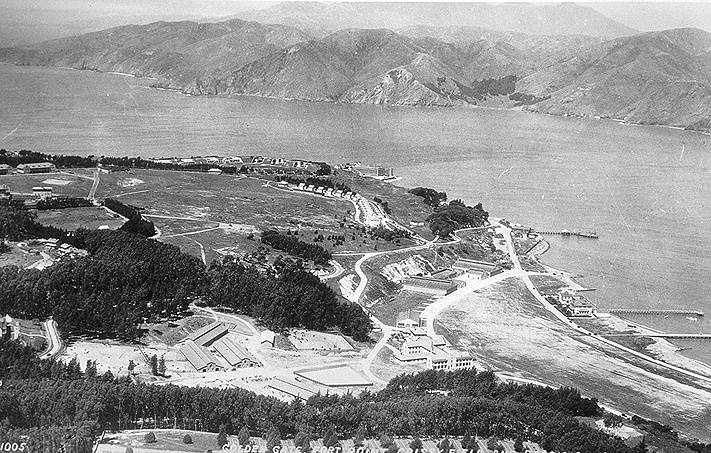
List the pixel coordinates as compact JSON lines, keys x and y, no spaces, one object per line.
{"x":505,"y":328}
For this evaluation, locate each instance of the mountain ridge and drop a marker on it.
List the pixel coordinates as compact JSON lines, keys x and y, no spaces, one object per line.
{"x":652,"y":78}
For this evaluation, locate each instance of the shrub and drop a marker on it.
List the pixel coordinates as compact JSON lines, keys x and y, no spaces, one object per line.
{"x":149,"y":438}
{"x":187,"y":439}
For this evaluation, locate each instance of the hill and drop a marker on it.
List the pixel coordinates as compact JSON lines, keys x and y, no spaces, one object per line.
{"x":560,"y":19}
{"x":179,"y":52}
{"x":652,"y":78}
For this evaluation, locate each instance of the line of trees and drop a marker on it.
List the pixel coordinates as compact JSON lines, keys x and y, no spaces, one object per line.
{"x":63,"y":203}
{"x":136,"y":223}
{"x":47,"y":396}
{"x":317,"y":182}
{"x":295,"y":246}
{"x":30,"y":157}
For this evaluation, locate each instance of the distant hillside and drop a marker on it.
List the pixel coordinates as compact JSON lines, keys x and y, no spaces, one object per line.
{"x":653,"y":78}
{"x":560,"y":19}
{"x":178,"y":52}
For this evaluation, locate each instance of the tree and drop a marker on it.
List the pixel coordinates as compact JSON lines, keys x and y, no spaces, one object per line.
{"x":129,"y":450}
{"x":154,"y":365}
{"x":90,"y":371}
{"x":444,"y":444}
{"x":222,"y":437}
{"x":161,"y":366}
{"x":330,"y":439}
{"x":187,"y":439}
{"x":243,"y":437}
{"x":304,"y":441}
{"x":149,"y":438}
{"x":131,"y":366}
{"x":612,"y":420}
{"x":518,"y":445}
{"x":416,"y":444}
{"x":493,"y":444}
{"x":273,"y":438}
{"x":359,"y":436}
{"x":467,"y":440}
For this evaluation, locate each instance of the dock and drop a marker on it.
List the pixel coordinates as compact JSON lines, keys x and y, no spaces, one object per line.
{"x":678,"y":336}
{"x":587,"y":234}
{"x":635,"y":311}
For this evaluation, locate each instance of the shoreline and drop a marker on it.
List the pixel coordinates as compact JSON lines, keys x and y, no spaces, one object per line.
{"x":468,"y":106}
{"x":661,"y":348}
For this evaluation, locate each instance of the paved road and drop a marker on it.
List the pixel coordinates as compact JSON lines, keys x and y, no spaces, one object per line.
{"x":53,"y":338}
{"x":95,"y":185}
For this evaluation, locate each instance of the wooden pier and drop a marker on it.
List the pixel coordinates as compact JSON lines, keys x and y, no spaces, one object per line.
{"x":678,"y":336}
{"x":635,"y":311}
{"x":588,"y":234}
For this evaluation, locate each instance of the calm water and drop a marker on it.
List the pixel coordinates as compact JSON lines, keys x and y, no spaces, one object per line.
{"x":645,"y":190}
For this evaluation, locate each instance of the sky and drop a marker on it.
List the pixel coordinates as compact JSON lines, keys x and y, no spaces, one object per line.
{"x":644,"y":16}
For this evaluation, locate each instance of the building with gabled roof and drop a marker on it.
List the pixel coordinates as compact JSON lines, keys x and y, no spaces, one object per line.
{"x":207,"y":335}
{"x":199,"y":357}
{"x":5,"y":169}
{"x":39,"y":167}
{"x":234,"y":354}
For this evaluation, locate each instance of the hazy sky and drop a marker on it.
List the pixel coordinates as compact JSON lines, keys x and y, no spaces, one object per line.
{"x":639,"y":15}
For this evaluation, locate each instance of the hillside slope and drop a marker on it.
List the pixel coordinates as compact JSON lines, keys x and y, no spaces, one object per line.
{"x":652,"y":78}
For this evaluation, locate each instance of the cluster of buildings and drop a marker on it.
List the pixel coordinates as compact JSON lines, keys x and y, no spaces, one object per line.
{"x":39,"y":167}
{"x":325,"y":191}
{"x":575,"y":303}
{"x":371,"y":171}
{"x":38,"y":193}
{"x":9,"y":328}
{"x":255,"y":164}
{"x":211,"y":348}
{"x":445,"y":281}
{"x":435,"y":352}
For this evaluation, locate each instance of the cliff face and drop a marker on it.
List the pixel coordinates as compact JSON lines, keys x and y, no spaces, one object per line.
{"x":654,"y":78}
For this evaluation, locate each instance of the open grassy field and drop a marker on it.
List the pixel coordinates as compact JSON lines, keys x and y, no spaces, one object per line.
{"x":506,"y":328}
{"x":71,"y":183}
{"x":74,"y":218}
{"x":166,"y":440}
{"x":220,"y":211}
{"x":547,"y":284}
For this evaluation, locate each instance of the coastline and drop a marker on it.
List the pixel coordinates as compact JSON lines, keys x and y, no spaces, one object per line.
{"x":660,"y":348}
{"x":621,"y":121}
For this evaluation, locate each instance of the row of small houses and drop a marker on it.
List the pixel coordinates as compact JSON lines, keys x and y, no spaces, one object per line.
{"x":325,"y":191}
{"x":39,"y":167}
{"x":196,"y":349}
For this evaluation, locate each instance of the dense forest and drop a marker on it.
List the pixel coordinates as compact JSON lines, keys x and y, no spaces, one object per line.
{"x":295,"y":246}
{"x":447,"y":218}
{"x":288,"y":297}
{"x":125,"y":280}
{"x":49,"y":397}
{"x":128,"y":279}
{"x":18,"y":223}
